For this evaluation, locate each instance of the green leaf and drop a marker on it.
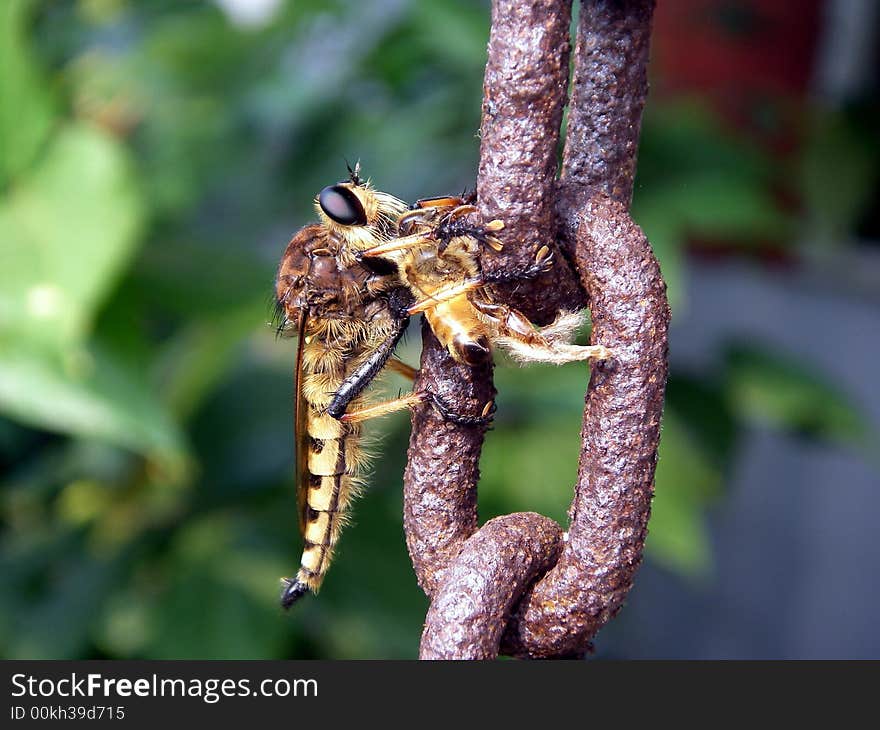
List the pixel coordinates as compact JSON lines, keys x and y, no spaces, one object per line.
{"x":696,"y":178}
{"x":455,"y":31}
{"x":539,"y":414}
{"x":516,"y":479}
{"x":26,"y":109}
{"x":767,"y":387}
{"x":730,"y":208}
{"x":69,"y":601}
{"x":66,"y":232}
{"x":544,"y":417}
{"x":685,"y":483}
{"x":88,"y":395}
{"x":684,"y":139}
{"x":194,"y":361}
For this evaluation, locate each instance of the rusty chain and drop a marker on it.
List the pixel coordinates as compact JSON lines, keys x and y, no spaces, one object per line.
{"x":518,"y":585}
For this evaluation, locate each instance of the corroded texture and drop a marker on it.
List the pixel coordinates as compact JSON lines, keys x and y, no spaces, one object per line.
{"x":442,"y":469}
{"x":608,"y":93}
{"x":472,"y":604}
{"x":524,"y":94}
{"x":482,"y":582}
{"x":620,"y":433}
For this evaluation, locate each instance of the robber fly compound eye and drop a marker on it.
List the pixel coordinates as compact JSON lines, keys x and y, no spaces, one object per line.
{"x":341,"y":205}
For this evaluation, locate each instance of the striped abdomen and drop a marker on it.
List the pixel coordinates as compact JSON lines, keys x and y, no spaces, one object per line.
{"x":333,"y":455}
{"x":329,"y":456}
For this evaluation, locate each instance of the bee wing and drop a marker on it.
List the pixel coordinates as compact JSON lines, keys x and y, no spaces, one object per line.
{"x":301,"y":433}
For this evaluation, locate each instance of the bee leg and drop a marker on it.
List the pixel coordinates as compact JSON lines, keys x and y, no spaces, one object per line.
{"x":426,"y":208}
{"x":445,"y":201}
{"x":355,"y":383}
{"x":461,"y":211}
{"x":454,"y":226}
{"x":416,"y":216}
{"x":451,"y":225}
{"x":515,"y":332}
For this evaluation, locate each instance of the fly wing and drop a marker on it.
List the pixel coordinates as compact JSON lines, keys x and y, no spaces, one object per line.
{"x":301,"y":429}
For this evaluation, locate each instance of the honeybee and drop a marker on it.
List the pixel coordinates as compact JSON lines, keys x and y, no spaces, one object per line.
{"x":437,"y":255}
{"x":348,"y":286}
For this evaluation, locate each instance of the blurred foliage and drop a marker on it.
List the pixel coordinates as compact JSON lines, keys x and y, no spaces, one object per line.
{"x":154,"y":160}
{"x":697,"y":180}
{"x":837,"y":173}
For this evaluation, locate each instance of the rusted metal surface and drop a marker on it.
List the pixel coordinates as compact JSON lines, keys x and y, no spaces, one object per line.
{"x":524,"y":94}
{"x":488,"y":576}
{"x":442,"y":469}
{"x":476,"y":577}
{"x":608,"y":92}
{"x":619,"y":437}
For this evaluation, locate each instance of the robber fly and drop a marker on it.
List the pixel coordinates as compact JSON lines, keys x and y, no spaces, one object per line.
{"x":348,"y":286}
{"x":349,"y":312}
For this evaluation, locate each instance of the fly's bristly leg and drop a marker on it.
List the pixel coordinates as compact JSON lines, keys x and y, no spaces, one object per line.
{"x":355,"y":383}
{"x":383,"y":408}
{"x":401,"y":368}
{"x":394,"y":245}
{"x":292,"y":590}
{"x":542,"y":264}
{"x":455,"y":224}
{"x":411,"y":400}
{"x":442,"y":407}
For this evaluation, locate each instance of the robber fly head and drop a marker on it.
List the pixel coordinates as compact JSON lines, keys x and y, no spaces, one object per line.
{"x":357,"y":213}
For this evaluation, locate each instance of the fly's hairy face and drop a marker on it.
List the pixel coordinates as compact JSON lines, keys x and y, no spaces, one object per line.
{"x":358,"y":214}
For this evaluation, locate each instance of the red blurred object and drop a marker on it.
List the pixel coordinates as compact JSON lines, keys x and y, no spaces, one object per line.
{"x":752,"y":60}
{"x":754,"y":63}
